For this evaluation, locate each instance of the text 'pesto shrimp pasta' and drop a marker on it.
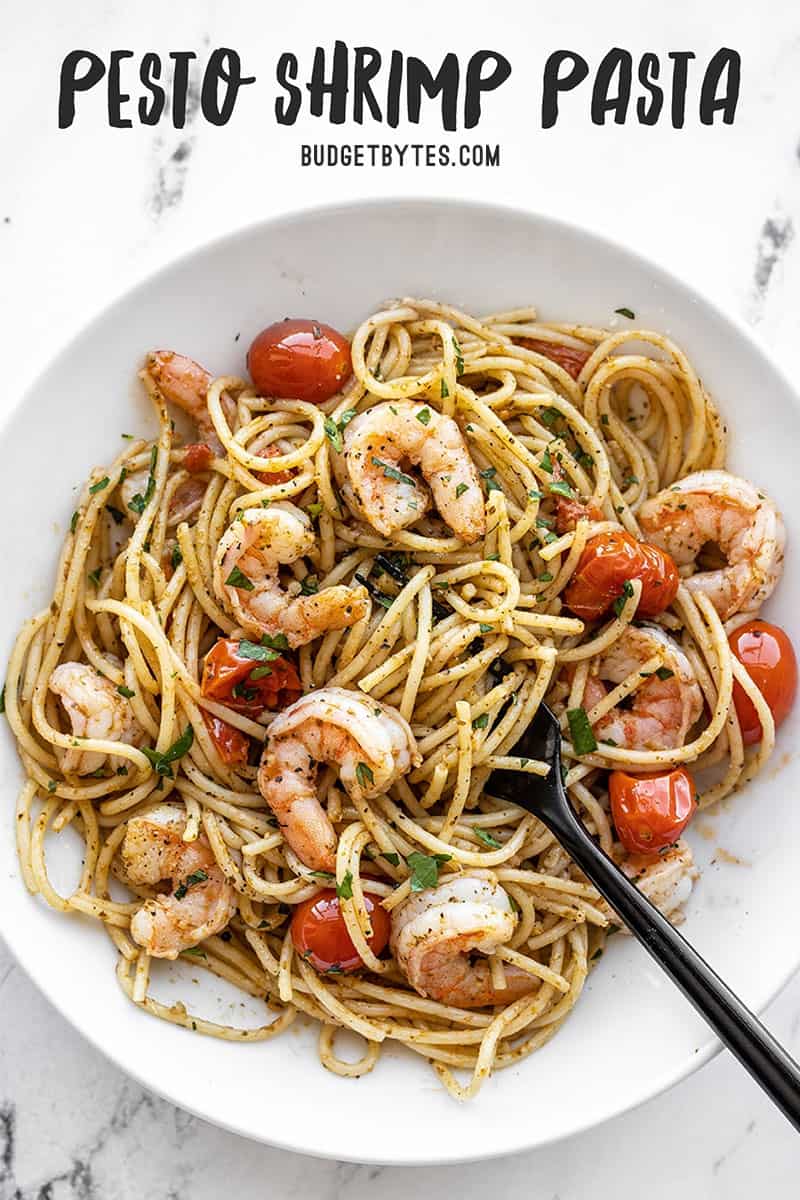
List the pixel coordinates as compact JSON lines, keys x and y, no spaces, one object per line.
{"x":283,"y":657}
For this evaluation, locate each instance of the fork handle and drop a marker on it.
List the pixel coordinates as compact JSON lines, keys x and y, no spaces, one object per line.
{"x":734,"y":1023}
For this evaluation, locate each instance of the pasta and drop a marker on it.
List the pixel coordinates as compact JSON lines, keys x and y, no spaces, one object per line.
{"x":572,"y":432}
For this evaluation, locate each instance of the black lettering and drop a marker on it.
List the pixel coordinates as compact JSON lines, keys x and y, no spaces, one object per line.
{"x":616,"y":61}
{"x":728,"y":62}
{"x":286,"y":110}
{"x":337,"y":88}
{"x":393,"y":89}
{"x":680,"y":71}
{"x":180,"y":85}
{"x":554,"y":82}
{"x":419,"y":78}
{"x":367,"y":63}
{"x":116,"y":97}
{"x":223,"y":66}
{"x":149,"y":71}
{"x":477,"y":82}
{"x":648,"y":112}
{"x":71,"y":82}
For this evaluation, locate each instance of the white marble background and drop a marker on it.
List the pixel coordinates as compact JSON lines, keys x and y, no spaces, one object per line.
{"x":85,"y":212}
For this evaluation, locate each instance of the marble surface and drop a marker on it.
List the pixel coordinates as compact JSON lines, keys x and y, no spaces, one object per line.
{"x":85,"y":212}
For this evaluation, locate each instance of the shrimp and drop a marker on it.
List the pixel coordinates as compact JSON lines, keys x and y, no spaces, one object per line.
{"x":714,"y":506}
{"x":436,"y":932}
{"x":663,"y":710}
{"x":202,"y":901}
{"x":667,"y":881}
{"x":246,"y":577}
{"x":371,"y":743}
{"x":379,"y":440}
{"x":96,"y":710}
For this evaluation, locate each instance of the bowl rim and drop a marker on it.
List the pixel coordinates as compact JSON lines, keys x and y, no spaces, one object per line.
{"x":298,"y":216}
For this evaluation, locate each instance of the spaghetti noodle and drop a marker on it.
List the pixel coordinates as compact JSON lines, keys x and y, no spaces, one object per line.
{"x":571,"y":430}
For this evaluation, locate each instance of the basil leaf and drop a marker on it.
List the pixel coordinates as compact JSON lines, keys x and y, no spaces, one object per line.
{"x":583,"y":738}
{"x":344,"y":890}
{"x":161,"y":762}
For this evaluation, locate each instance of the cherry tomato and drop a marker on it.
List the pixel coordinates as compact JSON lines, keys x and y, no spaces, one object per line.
{"x":320,"y":934}
{"x":233,"y":745}
{"x":568,"y":357}
{"x":767,"y":655}
{"x":569,"y":512}
{"x":299,"y":360}
{"x":274,"y":476}
{"x":651,"y":811}
{"x":228,"y":677}
{"x":611,"y":559}
{"x":197,"y":457}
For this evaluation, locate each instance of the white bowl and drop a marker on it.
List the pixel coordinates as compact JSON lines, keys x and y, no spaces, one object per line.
{"x":631,"y":1034}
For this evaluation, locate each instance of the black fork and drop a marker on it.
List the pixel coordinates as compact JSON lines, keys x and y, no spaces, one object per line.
{"x":734,"y":1023}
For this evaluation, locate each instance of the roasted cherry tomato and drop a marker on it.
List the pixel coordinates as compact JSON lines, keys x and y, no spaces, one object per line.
{"x":274,"y":476}
{"x":299,"y":360}
{"x":228,"y":676}
{"x":651,"y":811}
{"x":767,"y":655}
{"x":607,"y":563}
{"x":568,"y":357}
{"x":197,"y":457}
{"x":320,"y":934}
{"x":233,"y":745}
{"x":569,"y":512}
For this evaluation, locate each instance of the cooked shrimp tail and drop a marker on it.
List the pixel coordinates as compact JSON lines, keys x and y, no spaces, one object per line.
{"x":96,"y":709}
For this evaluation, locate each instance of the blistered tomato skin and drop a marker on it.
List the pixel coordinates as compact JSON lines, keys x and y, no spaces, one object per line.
{"x":650,"y":812}
{"x":320,"y":935}
{"x":299,"y":359}
{"x":768,"y":656}
{"x":608,"y":562}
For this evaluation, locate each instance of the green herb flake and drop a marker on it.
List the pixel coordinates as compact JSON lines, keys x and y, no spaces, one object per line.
{"x":664,"y":673}
{"x":487,"y":838}
{"x":51,"y":786}
{"x":424,"y":416}
{"x":546,"y":462}
{"x":583,"y":739}
{"x":625,"y":594}
{"x":257,"y":653}
{"x":309,"y":586}
{"x":275,"y":641}
{"x":98,"y":487}
{"x":177,"y":557}
{"x":364,"y":775}
{"x":461,"y":488}
{"x":545,"y":577}
{"x":535,"y":494}
{"x":94,"y":576}
{"x":485,"y":628}
{"x":392,"y":472}
{"x":3,"y":700}
{"x":125,"y":691}
{"x":425,"y":869}
{"x":492,"y":558}
{"x":334,"y":434}
{"x":74,"y":522}
{"x":260,"y":672}
{"x":459,"y":357}
{"x":491,"y":482}
{"x":238,"y":579}
{"x":626,"y":312}
{"x":195,"y":951}
{"x":196,"y":877}
{"x":162,"y":762}
{"x":390,"y":857}
{"x":481,"y":722}
{"x":560,"y":487}
{"x":314,"y":509}
{"x":344,"y":890}
{"x":445,"y":389}
{"x":549,"y":416}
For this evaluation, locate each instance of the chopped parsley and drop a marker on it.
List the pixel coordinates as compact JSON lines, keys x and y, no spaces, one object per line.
{"x":459,"y":357}
{"x":547,"y":463}
{"x":535,"y":494}
{"x":390,"y":856}
{"x":252,"y":650}
{"x":549,"y":416}
{"x":445,"y":389}
{"x":487,"y":838}
{"x":485,"y":628}
{"x":626,"y":312}
{"x":98,"y":487}
{"x":309,"y":586}
{"x":560,"y":487}
{"x":125,"y":691}
{"x":94,"y":576}
{"x":392,"y":472}
{"x":625,"y":594}
{"x":260,"y":672}
{"x":461,"y":488}
{"x":481,"y":722}
{"x":364,"y":775}
{"x":492,"y":558}
{"x":177,"y":557}
{"x":489,"y":478}
{"x":238,"y":579}
{"x":545,"y":577}
{"x":333,"y":431}
{"x":140,"y":502}
{"x":344,"y":890}
{"x":425,"y":869}
{"x":583,"y":738}
{"x":74,"y":522}
{"x":664,"y":673}
{"x":314,"y":509}
{"x":196,"y":877}
{"x":424,"y":416}
{"x":162,"y":762}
